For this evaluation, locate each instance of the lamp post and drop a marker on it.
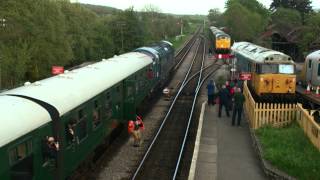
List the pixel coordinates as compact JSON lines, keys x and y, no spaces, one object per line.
{"x":121,"y":24}
{"x":181,"y":27}
{"x":3,"y":25}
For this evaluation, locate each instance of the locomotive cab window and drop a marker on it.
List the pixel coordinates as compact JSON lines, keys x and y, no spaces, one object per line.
{"x":318,"y":69}
{"x":286,"y":68}
{"x":269,"y":68}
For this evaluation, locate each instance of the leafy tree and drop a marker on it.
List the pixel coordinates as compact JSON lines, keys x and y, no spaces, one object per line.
{"x":251,"y":5}
{"x":127,"y":31}
{"x":214,"y":16}
{"x":286,"y":18}
{"x":311,"y":31}
{"x":303,"y":6}
{"x":242,"y":23}
{"x":42,"y":33}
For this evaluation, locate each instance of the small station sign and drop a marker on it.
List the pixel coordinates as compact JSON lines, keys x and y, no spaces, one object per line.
{"x":57,"y":70}
{"x":245,"y":76}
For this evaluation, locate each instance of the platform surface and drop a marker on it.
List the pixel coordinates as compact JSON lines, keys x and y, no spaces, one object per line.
{"x":224,"y":152}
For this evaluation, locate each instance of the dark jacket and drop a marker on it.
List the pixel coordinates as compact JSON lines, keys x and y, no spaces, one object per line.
{"x":224,"y":96}
{"x":210,"y":88}
{"x":238,"y":100}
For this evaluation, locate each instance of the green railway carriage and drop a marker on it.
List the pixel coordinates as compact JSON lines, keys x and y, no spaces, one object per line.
{"x":90,"y":101}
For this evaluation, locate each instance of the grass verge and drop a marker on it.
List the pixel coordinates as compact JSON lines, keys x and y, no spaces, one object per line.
{"x":290,"y":150}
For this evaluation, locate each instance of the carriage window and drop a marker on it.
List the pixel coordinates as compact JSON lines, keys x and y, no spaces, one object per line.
{"x":309,"y":63}
{"x":118,"y":89}
{"x":20,"y":152}
{"x":82,"y":125}
{"x":318,"y":69}
{"x":80,"y":114}
{"x":108,"y":105}
{"x":70,"y":131}
{"x":96,"y":114}
{"x":129,"y":91}
{"x":82,"y":130}
{"x":137,"y":87}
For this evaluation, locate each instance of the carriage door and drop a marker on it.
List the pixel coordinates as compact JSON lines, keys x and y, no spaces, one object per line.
{"x":129,"y":98}
{"x":21,"y":161}
{"x":309,"y":70}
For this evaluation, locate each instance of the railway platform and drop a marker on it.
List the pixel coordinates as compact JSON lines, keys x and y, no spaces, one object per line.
{"x":223,"y":151}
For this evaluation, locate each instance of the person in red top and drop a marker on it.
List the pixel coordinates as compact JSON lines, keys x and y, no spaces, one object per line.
{"x":134,"y":128}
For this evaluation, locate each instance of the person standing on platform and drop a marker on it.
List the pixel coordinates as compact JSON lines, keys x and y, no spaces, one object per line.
{"x":224,"y":100}
{"x":238,"y":106}
{"x":211,"y":89}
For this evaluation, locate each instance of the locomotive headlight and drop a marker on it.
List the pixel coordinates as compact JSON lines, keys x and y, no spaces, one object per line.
{"x":261,"y":79}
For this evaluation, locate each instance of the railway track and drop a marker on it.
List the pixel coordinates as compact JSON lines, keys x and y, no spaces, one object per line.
{"x":183,"y":52}
{"x":116,"y":141}
{"x":166,"y":153}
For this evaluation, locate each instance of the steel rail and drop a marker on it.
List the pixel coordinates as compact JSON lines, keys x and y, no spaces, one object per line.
{"x":185,"y":54}
{"x":206,"y":77}
{"x":186,"y":43}
{"x":200,"y":83}
{"x":167,"y":115}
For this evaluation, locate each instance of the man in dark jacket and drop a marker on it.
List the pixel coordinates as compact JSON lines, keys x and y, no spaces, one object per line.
{"x":238,"y":106}
{"x":211,"y":89}
{"x":224,"y":99}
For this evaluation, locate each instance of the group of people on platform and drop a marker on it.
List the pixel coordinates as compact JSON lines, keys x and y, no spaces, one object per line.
{"x":229,"y":97}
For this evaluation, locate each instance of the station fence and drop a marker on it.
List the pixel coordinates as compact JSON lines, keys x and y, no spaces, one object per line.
{"x":260,"y":114}
{"x":309,"y":126}
{"x":280,"y":115}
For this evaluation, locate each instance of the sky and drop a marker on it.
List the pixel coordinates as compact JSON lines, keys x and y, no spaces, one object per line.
{"x":175,"y":6}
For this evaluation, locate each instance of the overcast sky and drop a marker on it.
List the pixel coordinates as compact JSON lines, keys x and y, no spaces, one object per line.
{"x":175,"y":6}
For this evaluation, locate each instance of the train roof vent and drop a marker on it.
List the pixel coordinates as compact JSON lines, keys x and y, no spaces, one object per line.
{"x":253,"y":50}
{"x":27,"y":83}
{"x":37,"y":83}
{"x":265,"y":50}
{"x":64,"y":76}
